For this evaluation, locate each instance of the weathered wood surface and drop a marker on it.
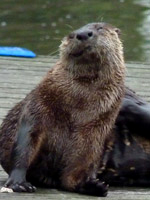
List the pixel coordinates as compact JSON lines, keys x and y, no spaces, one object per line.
{"x":19,"y":76}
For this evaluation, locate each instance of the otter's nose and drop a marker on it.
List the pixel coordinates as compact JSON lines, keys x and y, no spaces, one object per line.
{"x":84,"y":35}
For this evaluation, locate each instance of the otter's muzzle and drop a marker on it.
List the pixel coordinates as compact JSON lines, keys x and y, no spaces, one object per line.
{"x":83,"y":35}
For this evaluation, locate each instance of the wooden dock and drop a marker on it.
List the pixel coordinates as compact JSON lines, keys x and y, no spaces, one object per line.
{"x":18,"y":76}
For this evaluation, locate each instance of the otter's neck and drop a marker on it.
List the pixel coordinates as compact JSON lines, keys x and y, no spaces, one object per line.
{"x":102,"y":72}
{"x":83,"y":72}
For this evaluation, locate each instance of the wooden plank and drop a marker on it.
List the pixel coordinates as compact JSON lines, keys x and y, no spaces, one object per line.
{"x":18,"y":76}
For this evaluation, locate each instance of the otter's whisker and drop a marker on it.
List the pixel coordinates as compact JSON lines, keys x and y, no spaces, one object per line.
{"x":57,"y":39}
{"x":100,"y":18}
{"x":54,"y":52}
{"x":69,"y":26}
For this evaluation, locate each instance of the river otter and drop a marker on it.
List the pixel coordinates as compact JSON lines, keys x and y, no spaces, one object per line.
{"x":56,"y":135}
{"x":127,"y":155}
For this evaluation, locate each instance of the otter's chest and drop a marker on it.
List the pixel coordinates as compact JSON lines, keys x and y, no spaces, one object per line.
{"x":86,"y":109}
{"x":90,"y":104}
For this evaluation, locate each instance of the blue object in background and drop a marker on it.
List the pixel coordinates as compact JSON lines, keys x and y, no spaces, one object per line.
{"x":17,"y":52}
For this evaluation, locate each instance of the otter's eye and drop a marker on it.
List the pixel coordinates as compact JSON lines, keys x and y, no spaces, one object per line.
{"x":71,"y":35}
{"x":100,"y":28}
{"x":118,"y":31}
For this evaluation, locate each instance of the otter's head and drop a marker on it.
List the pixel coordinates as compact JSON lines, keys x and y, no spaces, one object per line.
{"x":95,"y":42}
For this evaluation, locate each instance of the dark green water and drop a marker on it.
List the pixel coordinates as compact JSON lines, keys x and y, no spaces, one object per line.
{"x":40,"y":24}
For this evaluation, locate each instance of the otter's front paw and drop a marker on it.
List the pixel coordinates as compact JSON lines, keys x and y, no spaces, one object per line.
{"x":19,"y":187}
{"x":94,"y":187}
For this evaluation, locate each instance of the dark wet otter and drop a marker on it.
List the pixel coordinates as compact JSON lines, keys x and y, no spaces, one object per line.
{"x":56,"y":135}
{"x":127,"y":156}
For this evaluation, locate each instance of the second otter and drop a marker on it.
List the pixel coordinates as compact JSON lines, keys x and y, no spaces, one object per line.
{"x":56,"y":135}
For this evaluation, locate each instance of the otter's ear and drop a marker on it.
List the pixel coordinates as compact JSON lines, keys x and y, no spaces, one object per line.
{"x":118,"y":31}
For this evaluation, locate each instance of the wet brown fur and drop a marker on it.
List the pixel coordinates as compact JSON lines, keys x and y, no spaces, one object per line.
{"x":126,"y":159}
{"x":72,"y":111}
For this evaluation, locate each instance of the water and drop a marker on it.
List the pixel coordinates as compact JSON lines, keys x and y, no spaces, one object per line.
{"x":41,"y":24}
